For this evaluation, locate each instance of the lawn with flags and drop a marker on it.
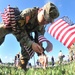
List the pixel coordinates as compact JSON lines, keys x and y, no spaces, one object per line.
{"x":67,"y":69}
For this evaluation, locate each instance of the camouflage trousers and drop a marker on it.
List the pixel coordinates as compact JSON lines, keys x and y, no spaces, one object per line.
{"x":26,"y":52}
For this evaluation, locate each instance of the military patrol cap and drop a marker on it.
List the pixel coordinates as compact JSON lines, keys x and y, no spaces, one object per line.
{"x":50,"y":12}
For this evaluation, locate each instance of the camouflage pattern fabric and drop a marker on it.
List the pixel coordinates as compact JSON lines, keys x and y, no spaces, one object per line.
{"x":22,"y":30}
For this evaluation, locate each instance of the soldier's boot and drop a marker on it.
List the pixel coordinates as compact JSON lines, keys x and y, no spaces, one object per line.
{"x":23,"y":64}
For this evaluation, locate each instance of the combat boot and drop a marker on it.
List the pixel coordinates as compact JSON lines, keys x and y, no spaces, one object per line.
{"x":23,"y":64}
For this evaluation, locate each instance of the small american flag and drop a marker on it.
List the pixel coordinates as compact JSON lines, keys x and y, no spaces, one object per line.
{"x":30,"y":51}
{"x":41,"y":39}
{"x":63,"y":30}
{"x":49,"y":47}
{"x":8,"y":16}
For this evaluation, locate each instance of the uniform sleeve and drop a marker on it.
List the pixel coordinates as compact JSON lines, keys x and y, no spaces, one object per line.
{"x":24,"y":14}
{"x":41,"y":30}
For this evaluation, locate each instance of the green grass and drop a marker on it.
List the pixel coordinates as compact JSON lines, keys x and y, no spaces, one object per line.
{"x":68,"y":69}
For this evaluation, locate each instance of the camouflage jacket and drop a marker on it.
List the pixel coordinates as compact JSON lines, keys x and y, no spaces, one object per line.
{"x":29,"y":26}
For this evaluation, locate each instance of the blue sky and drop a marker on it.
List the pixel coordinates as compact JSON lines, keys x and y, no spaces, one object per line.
{"x":11,"y":47}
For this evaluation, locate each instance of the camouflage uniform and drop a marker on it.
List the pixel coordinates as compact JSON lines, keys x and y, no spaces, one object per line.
{"x":22,"y":31}
{"x":22,"y":28}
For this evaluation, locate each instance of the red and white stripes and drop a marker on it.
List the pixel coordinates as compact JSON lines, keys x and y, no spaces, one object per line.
{"x":63,"y":32}
{"x":49,"y":47}
{"x":41,"y":39}
{"x":8,"y":16}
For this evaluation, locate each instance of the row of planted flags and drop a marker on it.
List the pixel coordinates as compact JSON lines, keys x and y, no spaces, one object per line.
{"x":62,"y":30}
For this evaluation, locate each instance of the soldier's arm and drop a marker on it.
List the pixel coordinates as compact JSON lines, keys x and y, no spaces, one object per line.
{"x":41,"y":30}
{"x":26,"y":15}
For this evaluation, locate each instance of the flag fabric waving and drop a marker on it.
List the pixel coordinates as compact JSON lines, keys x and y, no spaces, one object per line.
{"x":8,"y":17}
{"x":41,"y":39}
{"x":63,"y":30}
{"x":49,"y":47}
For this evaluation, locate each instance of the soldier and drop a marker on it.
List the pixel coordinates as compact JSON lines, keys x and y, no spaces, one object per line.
{"x":27,"y":21}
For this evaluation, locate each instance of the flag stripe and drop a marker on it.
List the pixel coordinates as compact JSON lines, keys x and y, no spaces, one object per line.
{"x":51,"y":28}
{"x":8,"y":16}
{"x":68,"y":34}
{"x":56,"y":28}
{"x":49,"y":47}
{"x":41,"y":39}
{"x":63,"y":31}
{"x":70,"y":41}
{"x":60,"y":31}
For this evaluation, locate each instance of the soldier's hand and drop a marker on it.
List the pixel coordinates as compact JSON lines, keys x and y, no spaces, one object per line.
{"x":37,"y":48}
